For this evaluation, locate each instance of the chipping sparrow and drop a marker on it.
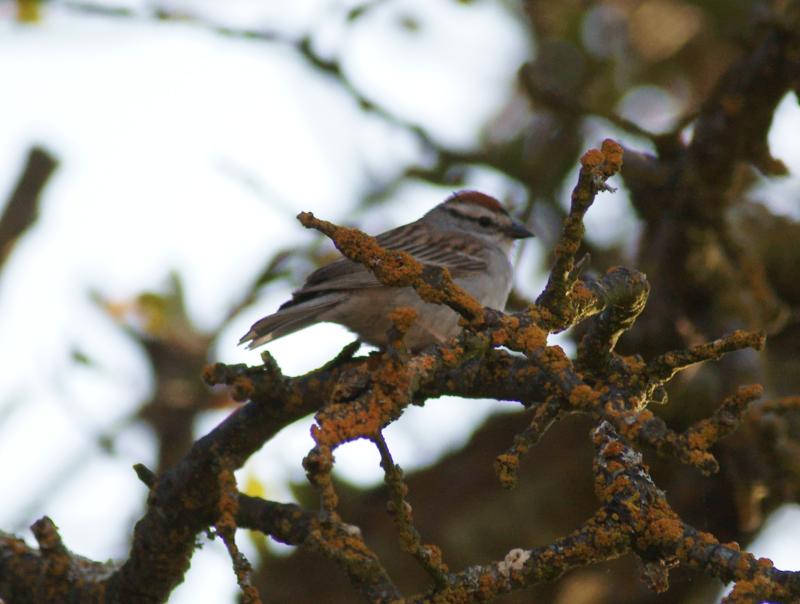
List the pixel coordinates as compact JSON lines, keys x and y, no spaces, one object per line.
{"x":469,"y":233}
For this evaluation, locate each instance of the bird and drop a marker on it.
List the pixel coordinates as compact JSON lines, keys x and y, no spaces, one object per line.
{"x":470,"y":233}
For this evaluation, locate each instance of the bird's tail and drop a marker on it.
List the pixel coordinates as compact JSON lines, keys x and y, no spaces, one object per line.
{"x":288,"y":319}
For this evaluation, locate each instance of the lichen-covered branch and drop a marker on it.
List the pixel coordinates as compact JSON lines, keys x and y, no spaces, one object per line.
{"x":50,"y":574}
{"x":343,"y":543}
{"x":593,"y":542}
{"x":498,"y":354}
{"x":625,"y":293}
{"x":692,"y":446}
{"x":664,"y":367}
{"x":597,"y":166}
{"x":428,"y":556}
{"x":226,"y":529}
{"x":656,"y":532}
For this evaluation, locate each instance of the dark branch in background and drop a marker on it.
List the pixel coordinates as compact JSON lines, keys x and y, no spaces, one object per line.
{"x":686,"y":192}
{"x":22,"y":207}
{"x":733,"y":124}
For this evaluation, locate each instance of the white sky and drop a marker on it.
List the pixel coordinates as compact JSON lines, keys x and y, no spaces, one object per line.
{"x":150,"y":121}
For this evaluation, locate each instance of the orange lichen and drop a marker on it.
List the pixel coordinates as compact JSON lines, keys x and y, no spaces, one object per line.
{"x":555,"y":359}
{"x":631,"y":422}
{"x":529,"y":338}
{"x":506,"y":466}
{"x":583,"y":397}
{"x":538,"y":314}
{"x":613,"y":449}
{"x":403,"y":318}
{"x":451,"y":355}
{"x":214,"y":373}
{"x":581,"y":293}
{"x":604,"y":538}
{"x":612,"y":156}
{"x":592,"y":158}
{"x":487,"y":588}
{"x":634,"y":363}
{"x":318,"y":465}
{"x":607,"y":160}
{"x":750,"y":392}
{"x":702,"y":438}
{"x":342,"y":422}
{"x":446,"y":291}
{"x":665,"y":530}
{"x":228,"y":503}
{"x":435,"y":558}
{"x":503,"y":333}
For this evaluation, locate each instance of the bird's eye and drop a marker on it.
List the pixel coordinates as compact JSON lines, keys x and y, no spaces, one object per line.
{"x":484,"y":221}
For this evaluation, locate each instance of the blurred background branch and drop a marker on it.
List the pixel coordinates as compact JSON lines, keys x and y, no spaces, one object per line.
{"x":22,"y":207}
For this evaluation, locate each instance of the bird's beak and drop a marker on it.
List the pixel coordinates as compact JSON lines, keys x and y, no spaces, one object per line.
{"x":517,"y":230}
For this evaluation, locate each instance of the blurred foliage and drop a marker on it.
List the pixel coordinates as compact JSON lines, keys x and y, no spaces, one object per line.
{"x":28,"y":11}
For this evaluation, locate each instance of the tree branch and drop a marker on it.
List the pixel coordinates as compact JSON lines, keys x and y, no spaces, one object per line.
{"x":22,"y":207}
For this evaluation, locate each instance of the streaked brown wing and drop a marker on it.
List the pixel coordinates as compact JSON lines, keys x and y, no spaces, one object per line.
{"x":460,"y":255}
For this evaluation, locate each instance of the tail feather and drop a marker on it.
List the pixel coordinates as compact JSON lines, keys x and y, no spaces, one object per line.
{"x":286,"y":320}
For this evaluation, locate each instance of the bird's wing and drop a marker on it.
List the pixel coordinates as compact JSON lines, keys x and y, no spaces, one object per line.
{"x":460,"y":255}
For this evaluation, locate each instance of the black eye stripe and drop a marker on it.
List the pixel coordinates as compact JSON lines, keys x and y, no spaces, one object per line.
{"x":483,"y":221}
